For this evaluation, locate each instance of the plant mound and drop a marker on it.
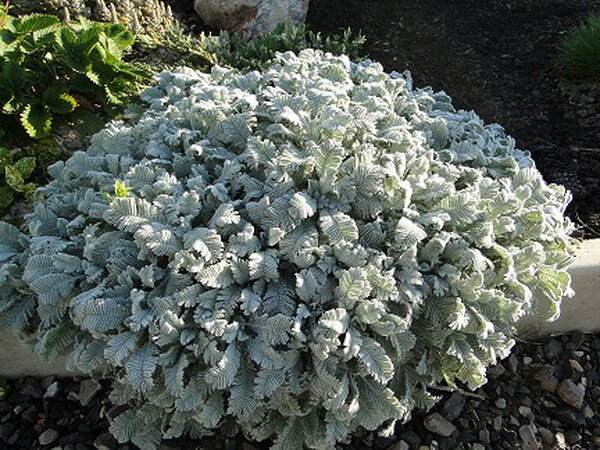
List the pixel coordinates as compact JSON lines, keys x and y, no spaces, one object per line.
{"x":294,"y":253}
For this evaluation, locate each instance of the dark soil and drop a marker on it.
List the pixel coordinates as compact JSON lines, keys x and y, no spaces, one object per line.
{"x":546,"y":395}
{"x":497,"y":57}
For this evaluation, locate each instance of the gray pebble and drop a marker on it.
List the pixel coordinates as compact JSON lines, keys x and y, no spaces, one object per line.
{"x":48,"y":437}
{"x":87,"y":391}
{"x":571,"y":393}
{"x":438,"y":424}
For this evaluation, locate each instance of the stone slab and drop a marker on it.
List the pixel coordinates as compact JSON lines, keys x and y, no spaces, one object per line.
{"x":580,"y":312}
{"x":17,"y":360}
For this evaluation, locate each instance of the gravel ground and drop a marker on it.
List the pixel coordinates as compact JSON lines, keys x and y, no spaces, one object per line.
{"x":545,"y":395}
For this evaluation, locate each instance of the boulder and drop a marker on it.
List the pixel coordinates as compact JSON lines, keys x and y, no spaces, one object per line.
{"x":251,"y":17}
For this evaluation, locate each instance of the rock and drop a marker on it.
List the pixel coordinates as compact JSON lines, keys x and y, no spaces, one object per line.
{"x":438,"y":424}
{"x":528,"y":440}
{"x":568,"y":416}
{"x":412,"y":438}
{"x":51,"y":390}
{"x":547,"y":379}
{"x":549,"y":384}
{"x":105,"y":442}
{"x":31,"y":388}
{"x":577,"y":339}
{"x":561,"y":442}
{"x":484,"y":436}
{"x":478,"y":447}
{"x":454,"y":406}
{"x":401,"y":445}
{"x":6,"y":431}
{"x":87,"y":390}
{"x":571,"y":393}
{"x":48,"y":437}
{"x":576,"y":366}
{"x":500,"y":403}
{"x":553,"y":348}
{"x":547,"y":436}
{"x":526,"y":412}
{"x":573,"y":437}
{"x":47,"y":381}
{"x":251,"y":17}
{"x":496,"y":371}
{"x":497,"y":423}
{"x":30,"y":415}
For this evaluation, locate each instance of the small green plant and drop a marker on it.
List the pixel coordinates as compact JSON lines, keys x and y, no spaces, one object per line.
{"x":22,"y":169}
{"x":50,"y":71}
{"x":14,"y":177}
{"x":579,"y":52}
{"x":258,"y":53}
{"x":3,"y":387}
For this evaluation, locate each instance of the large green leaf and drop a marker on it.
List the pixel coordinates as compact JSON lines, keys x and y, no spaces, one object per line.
{"x":6,"y":196}
{"x":74,"y":50}
{"x":14,"y":178}
{"x":119,"y":35}
{"x":25,"y":166}
{"x":36,"y":120}
{"x":58,"y":101}
{"x":87,"y":122}
{"x":36,"y":22}
{"x":13,"y":76}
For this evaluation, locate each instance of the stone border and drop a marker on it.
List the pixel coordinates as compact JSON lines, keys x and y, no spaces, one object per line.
{"x":18,"y":360}
{"x":578,"y":313}
{"x":581,"y":312}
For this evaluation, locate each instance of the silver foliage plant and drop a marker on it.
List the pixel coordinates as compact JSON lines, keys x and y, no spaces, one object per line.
{"x":295,"y":253}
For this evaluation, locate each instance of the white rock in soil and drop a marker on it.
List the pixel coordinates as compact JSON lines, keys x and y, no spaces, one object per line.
{"x":51,"y":390}
{"x":438,"y":424}
{"x":251,"y":17}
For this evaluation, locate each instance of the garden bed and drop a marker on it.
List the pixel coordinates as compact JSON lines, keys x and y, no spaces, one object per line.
{"x":499,"y":59}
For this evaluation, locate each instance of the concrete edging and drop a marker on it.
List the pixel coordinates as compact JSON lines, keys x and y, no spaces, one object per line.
{"x":18,"y":360}
{"x":581,"y":312}
{"x":578,"y":313}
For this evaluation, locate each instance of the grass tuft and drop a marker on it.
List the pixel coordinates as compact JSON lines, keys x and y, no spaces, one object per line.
{"x":579,"y":52}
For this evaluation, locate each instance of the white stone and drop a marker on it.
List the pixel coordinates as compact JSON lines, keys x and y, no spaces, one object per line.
{"x":18,"y":360}
{"x":581,"y":312}
{"x":578,"y":313}
{"x":251,"y":17}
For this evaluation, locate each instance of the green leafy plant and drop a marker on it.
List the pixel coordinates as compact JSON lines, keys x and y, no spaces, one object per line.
{"x":295,"y":253}
{"x":14,"y":177}
{"x":50,"y":70}
{"x":579,"y":51}
{"x":258,"y":53}
{"x":3,"y":387}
